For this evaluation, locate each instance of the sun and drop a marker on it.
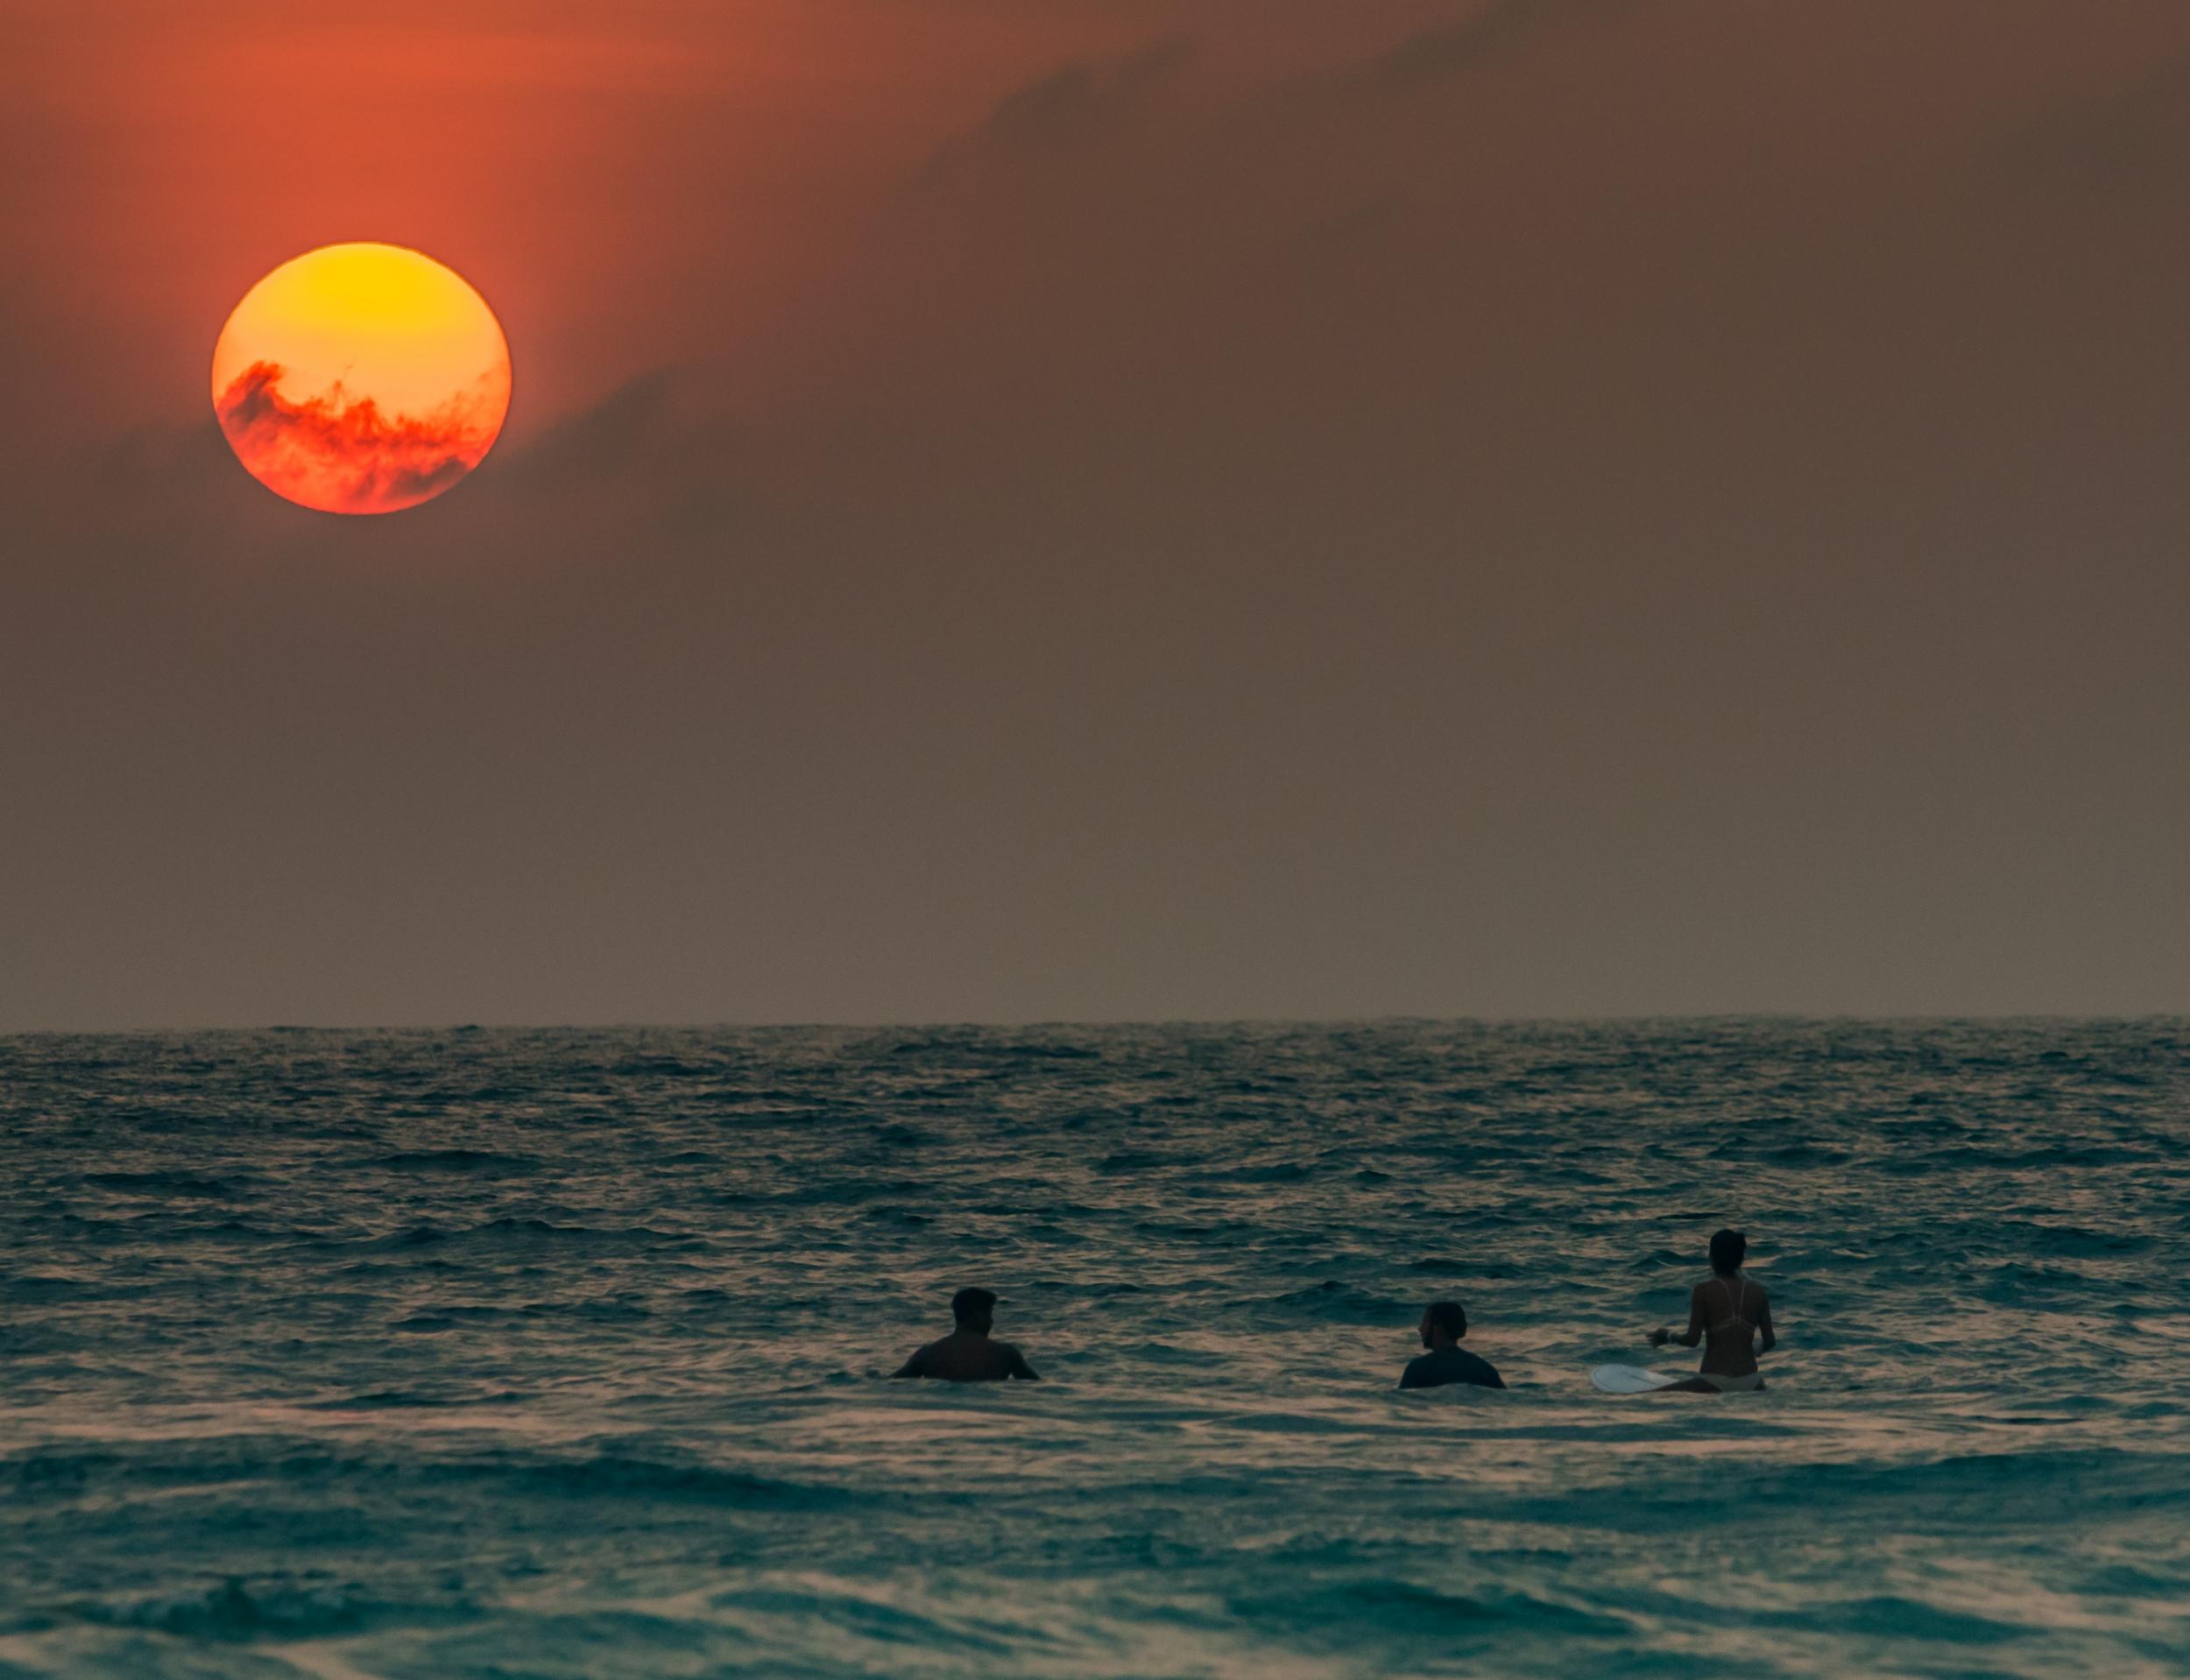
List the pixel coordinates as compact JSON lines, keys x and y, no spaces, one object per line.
{"x":361,"y":379}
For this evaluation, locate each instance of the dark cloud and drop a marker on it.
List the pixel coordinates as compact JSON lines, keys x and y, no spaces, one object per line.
{"x":2131,"y":142}
{"x":666,"y":421}
{"x":1432,"y":57}
{"x":1075,"y":105}
{"x":341,"y":453}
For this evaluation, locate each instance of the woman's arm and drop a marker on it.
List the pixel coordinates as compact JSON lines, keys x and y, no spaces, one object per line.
{"x":1764,"y":1325}
{"x":1693,"y":1334}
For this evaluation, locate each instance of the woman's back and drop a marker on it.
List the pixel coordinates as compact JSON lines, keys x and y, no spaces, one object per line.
{"x":1732,"y":1308}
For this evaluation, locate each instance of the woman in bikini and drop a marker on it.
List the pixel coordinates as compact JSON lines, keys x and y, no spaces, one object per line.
{"x":1727,"y":1312}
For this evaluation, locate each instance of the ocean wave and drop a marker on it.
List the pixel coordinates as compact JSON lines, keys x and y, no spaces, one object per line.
{"x":162,"y":1184}
{"x":1409,"y":1612}
{"x":513,"y":1232}
{"x":627,"y":1477}
{"x":240,"y":1611}
{"x":1341,"y":1304}
{"x":326,"y":1469}
{"x":452,"y":1161}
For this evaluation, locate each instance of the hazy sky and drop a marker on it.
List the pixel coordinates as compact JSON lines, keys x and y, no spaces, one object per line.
{"x":1031,"y":509}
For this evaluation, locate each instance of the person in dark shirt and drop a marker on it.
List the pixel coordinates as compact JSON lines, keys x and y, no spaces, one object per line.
{"x":968,"y":1354}
{"x":1443,"y":1324}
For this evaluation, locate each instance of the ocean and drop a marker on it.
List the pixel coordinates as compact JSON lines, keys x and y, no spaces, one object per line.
{"x":501,"y":1353}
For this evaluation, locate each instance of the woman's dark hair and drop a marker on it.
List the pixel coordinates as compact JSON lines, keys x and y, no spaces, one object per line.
{"x":1727,"y":1248}
{"x":1447,"y":1317}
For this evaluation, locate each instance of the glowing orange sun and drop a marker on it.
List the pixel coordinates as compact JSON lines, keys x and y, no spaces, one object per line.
{"x":361,"y":379}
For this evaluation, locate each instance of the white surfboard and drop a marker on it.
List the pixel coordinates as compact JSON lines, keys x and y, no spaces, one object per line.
{"x":1633,"y":1379}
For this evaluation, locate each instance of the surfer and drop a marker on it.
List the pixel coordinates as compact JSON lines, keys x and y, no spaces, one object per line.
{"x":1443,"y":1324}
{"x":1728,"y":1313}
{"x":969,"y":1354}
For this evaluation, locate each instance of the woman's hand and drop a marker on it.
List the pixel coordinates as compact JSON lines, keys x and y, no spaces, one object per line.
{"x":1660,"y":1336}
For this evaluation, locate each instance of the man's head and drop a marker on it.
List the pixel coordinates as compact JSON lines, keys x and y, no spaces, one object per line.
{"x":1443,"y":1323}
{"x":1727,"y":1248}
{"x":974,"y":1309}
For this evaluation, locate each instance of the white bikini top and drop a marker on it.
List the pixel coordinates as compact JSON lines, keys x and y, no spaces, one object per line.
{"x":1737,"y":1292}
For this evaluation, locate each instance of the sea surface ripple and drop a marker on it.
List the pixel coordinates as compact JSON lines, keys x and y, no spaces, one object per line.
{"x":563,"y":1354}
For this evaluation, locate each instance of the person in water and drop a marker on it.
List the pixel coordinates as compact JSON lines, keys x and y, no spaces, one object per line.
{"x":969,"y":1354}
{"x":1443,"y":1324}
{"x":1727,"y":1313}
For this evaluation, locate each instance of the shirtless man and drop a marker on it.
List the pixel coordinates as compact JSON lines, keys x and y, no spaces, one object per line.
{"x":1727,"y":1312}
{"x":968,"y":1354}
{"x":1447,"y":1362}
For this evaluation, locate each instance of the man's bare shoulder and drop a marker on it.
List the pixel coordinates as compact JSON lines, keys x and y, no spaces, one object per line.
{"x":1013,"y":1363}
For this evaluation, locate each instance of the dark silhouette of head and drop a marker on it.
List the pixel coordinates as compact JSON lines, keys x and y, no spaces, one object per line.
{"x":1443,"y":1323}
{"x":1727,"y":1248}
{"x":974,"y":1309}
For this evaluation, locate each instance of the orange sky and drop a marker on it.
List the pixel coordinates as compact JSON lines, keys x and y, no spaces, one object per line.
{"x":1170,"y":507}
{"x":555,"y":152}
{"x":658,"y":181}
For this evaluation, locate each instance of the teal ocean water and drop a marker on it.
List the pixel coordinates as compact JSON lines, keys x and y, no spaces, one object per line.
{"x":502,"y":1354}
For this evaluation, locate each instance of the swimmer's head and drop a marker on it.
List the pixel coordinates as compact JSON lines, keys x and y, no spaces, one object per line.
{"x":974,"y":1308}
{"x":1443,"y":1323}
{"x":1727,"y":1248}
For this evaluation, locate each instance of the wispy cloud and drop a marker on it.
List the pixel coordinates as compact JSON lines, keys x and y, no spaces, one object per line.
{"x":1074,"y":105}
{"x":2137,"y":134}
{"x":344,"y":454}
{"x":1433,"y":56}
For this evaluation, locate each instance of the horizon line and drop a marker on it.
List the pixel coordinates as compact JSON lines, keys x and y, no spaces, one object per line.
{"x":1113,"y":1023}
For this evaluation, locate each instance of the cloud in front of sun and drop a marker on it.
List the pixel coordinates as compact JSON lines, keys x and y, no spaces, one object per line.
{"x":361,"y":379}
